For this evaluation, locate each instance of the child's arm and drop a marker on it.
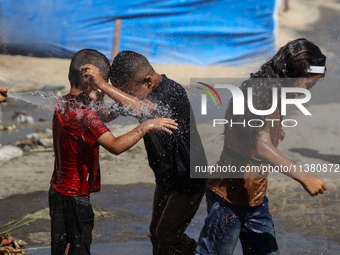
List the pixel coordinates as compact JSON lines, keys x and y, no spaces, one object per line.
{"x":117,"y":145}
{"x":269,"y":153}
{"x":134,"y":104}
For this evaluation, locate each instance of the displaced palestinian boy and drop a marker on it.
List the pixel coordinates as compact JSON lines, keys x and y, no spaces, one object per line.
{"x":177,"y":197}
{"x":77,"y":134}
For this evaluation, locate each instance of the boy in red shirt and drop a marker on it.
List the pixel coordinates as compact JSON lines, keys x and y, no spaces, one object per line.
{"x":77,"y":133}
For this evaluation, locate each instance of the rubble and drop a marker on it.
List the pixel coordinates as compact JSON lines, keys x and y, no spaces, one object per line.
{"x":11,"y":246}
{"x":36,"y":142}
{"x":22,"y":117}
{"x":7,"y":128}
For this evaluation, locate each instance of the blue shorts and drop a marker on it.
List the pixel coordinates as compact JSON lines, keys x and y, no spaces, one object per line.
{"x":226,"y":223}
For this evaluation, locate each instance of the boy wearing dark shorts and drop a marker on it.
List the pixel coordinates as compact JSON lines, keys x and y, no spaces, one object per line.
{"x":77,"y":133}
{"x":148,"y":95}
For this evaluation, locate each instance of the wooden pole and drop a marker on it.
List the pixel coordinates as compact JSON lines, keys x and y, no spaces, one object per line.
{"x":116,"y":39}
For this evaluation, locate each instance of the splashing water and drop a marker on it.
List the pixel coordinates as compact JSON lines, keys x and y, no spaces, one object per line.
{"x":44,"y":100}
{"x":48,"y":100}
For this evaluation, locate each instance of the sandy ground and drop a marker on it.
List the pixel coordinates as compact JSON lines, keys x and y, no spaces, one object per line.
{"x":313,"y":141}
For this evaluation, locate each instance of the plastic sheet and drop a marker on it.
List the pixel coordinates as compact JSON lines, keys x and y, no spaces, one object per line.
{"x":200,"y":32}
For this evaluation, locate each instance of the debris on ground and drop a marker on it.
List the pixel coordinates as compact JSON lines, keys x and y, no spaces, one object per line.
{"x":22,"y":117}
{"x":36,"y":142}
{"x":11,"y":246}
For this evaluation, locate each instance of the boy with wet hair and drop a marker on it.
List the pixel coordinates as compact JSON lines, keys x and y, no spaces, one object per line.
{"x":238,"y":207}
{"x":177,"y":197}
{"x":77,"y":133}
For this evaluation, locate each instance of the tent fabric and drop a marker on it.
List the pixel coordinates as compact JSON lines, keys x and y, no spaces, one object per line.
{"x":199,"y":32}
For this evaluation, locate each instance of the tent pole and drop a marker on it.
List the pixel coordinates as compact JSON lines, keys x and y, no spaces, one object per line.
{"x":116,"y":38}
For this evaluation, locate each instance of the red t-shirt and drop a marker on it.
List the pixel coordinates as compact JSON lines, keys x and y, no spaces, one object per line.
{"x":76,"y":130}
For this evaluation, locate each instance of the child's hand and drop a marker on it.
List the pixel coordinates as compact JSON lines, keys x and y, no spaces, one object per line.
{"x":314,"y":186}
{"x":3,"y":94}
{"x":160,"y":124}
{"x":93,"y":74}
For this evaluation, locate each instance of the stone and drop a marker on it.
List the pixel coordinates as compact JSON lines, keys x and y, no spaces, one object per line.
{"x":9,"y":152}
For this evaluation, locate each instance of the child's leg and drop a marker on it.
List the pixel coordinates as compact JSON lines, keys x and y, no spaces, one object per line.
{"x":72,"y":221}
{"x":58,"y":230}
{"x":176,"y":216}
{"x":83,"y":222}
{"x":221,"y":229}
{"x":159,"y":201}
{"x":258,"y":235}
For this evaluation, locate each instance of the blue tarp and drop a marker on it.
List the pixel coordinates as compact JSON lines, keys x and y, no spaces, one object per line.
{"x":200,"y":32}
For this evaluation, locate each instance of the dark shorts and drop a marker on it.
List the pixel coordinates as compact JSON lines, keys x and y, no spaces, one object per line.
{"x":72,"y":221}
{"x":172,"y":213}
